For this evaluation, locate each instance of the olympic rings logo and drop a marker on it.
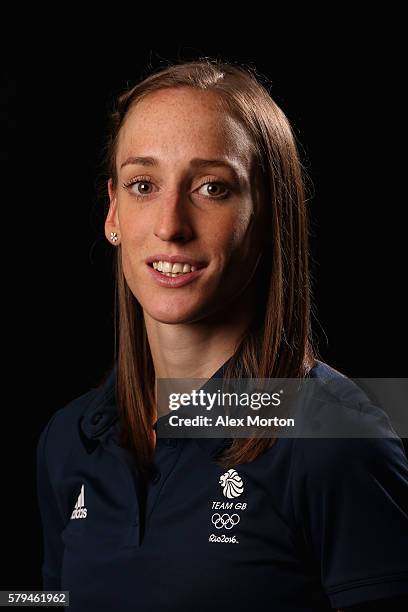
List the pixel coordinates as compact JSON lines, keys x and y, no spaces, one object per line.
{"x":225,"y":520}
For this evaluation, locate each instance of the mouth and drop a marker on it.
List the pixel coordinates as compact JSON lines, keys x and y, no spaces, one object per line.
{"x":174,"y":265}
{"x":173,"y":270}
{"x":170,"y":273}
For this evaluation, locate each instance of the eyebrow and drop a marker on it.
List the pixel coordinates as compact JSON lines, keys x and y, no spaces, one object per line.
{"x":196,"y":162}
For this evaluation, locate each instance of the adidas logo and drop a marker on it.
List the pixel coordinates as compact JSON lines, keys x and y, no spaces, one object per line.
{"x":80,"y":511}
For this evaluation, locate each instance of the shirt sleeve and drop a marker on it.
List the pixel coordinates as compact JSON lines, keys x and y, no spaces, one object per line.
{"x":351,"y":503}
{"x":51,"y":519}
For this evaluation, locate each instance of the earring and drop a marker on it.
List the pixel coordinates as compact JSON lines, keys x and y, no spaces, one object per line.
{"x":114,"y":236}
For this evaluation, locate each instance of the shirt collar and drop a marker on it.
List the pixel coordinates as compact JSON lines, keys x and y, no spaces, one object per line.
{"x":102,"y":412}
{"x":212,"y":446}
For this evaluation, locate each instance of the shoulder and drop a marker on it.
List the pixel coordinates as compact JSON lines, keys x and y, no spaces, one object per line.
{"x":346,"y":434}
{"x":335,"y":406}
{"x":60,"y":432}
{"x":63,"y":432}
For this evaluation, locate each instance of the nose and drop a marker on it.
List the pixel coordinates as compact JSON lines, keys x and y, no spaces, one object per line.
{"x":172,"y":221}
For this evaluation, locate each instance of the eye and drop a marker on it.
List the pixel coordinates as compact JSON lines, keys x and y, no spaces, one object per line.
{"x":140,"y":187}
{"x":215,"y":189}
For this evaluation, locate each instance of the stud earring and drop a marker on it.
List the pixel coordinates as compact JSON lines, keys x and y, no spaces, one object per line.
{"x":114,"y":236}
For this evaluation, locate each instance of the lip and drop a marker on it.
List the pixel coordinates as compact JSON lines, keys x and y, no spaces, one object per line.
{"x":176,"y":259}
{"x":176,"y":281}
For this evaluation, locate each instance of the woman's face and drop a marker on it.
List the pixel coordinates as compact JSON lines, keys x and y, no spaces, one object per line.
{"x":185,"y":190}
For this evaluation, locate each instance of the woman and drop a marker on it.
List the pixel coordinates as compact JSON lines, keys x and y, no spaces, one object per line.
{"x":207,"y":216}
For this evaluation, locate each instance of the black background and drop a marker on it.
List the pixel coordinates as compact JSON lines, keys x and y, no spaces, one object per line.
{"x":341,"y":96}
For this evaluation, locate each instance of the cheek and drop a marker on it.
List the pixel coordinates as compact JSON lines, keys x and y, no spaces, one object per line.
{"x":232,"y":230}
{"x":134,"y":227}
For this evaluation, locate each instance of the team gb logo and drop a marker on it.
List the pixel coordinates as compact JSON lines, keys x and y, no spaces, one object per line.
{"x":232,"y":485}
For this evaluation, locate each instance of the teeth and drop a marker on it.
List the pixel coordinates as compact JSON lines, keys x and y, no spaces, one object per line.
{"x":169,"y":269}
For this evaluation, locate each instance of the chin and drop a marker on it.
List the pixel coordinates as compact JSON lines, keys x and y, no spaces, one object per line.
{"x":173,"y":314}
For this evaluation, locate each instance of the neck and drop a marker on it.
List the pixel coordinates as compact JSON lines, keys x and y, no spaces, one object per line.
{"x":198,"y":349}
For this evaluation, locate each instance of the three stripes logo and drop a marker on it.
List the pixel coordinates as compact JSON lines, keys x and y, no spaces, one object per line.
{"x":80,"y":511}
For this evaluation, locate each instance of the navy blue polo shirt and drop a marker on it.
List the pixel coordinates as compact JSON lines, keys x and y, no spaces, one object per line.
{"x":311,"y":524}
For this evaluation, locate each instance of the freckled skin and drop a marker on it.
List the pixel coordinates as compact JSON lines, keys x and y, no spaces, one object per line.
{"x":178,"y":216}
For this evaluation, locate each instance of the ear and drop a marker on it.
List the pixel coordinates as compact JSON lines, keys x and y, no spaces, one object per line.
{"x":112,"y":218}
